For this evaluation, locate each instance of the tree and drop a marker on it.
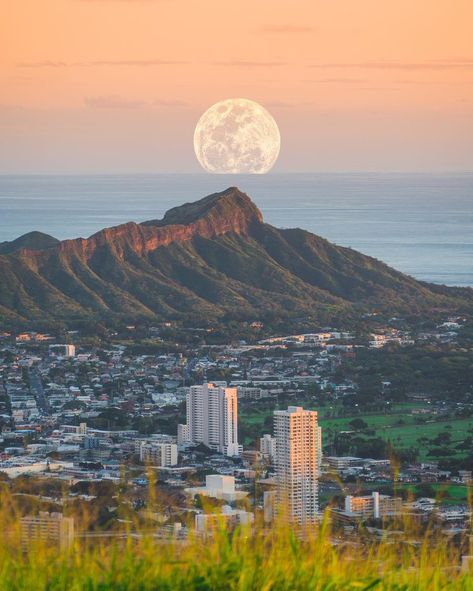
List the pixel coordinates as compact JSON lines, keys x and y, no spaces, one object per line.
{"x":358,"y":424}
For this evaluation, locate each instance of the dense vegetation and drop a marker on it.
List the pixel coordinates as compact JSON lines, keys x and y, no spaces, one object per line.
{"x":444,"y":372}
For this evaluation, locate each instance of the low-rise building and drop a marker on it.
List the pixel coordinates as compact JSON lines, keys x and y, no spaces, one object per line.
{"x":267,"y":446}
{"x":159,"y":454}
{"x":343,"y":462}
{"x":218,"y":487}
{"x":374,"y":505}
{"x":206,"y":522}
{"x":47,"y":528}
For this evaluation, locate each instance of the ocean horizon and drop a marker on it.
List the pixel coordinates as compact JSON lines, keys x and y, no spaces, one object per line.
{"x":418,"y":223}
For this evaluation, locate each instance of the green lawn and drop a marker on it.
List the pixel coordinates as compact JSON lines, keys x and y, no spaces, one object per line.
{"x":398,"y":425}
{"x":409,"y":434}
{"x":404,"y":430}
{"x":448,"y":493}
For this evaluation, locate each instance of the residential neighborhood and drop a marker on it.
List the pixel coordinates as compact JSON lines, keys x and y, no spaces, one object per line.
{"x":199,"y":424}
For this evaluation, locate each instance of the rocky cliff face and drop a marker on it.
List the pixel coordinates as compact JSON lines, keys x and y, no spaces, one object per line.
{"x":230,"y":210}
{"x":221,"y":213}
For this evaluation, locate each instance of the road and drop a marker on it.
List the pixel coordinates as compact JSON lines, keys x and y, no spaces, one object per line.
{"x":189,"y":368}
{"x":36,"y":388}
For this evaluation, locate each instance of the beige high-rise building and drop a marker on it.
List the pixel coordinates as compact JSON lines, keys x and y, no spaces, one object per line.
{"x":297,"y":463}
{"x":319,"y":449}
{"x":212,"y":418}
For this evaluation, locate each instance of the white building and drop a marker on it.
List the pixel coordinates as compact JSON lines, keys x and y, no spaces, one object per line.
{"x":182,"y":434}
{"x":159,"y":454}
{"x":251,"y":392}
{"x":340,"y":463}
{"x":206,"y":522}
{"x":297,"y":463}
{"x":62,"y":350}
{"x":267,"y":446}
{"x":218,"y":487}
{"x":212,"y":418}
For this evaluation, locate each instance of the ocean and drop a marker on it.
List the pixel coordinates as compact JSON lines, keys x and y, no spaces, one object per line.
{"x":421,"y":224}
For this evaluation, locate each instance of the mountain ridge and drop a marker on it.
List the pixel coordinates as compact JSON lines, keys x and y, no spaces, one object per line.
{"x":212,"y":259}
{"x":219,"y":213}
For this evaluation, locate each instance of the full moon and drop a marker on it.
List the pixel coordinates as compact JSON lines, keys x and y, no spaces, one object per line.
{"x":237,"y":136}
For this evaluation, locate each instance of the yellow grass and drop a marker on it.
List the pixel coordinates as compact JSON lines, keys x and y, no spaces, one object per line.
{"x":278,"y":559}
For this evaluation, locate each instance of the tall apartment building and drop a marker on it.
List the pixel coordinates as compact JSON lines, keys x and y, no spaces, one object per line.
{"x":212,"y":418}
{"x":47,"y":528}
{"x":297,"y":463}
{"x":319,"y":449}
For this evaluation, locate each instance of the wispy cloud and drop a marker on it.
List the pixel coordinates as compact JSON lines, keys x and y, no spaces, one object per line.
{"x":112,"y":102}
{"x":414,"y":66}
{"x":119,"y":102}
{"x":122,"y":1}
{"x":458,"y":60}
{"x":43,"y":64}
{"x":377,"y":88}
{"x":10,"y":107}
{"x":339,"y":80}
{"x":169,"y":103}
{"x":152,"y":62}
{"x":286,"y":29}
{"x":250,"y":64}
{"x":95,"y":63}
{"x":278,"y":104}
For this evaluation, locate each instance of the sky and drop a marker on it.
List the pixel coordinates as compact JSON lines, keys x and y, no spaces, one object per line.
{"x":106,"y":86}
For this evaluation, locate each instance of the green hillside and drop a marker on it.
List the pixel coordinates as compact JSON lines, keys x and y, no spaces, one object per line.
{"x":213,"y":260}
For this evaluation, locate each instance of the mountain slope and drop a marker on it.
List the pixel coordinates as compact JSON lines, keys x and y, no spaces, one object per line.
{"x":32,"y":241}
{"x":204,"y":261}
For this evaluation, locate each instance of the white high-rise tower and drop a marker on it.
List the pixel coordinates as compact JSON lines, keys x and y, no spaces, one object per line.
{"x":297,"y":463}
{"x":212,"y":418}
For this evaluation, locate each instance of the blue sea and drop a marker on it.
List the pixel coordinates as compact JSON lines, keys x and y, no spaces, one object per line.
{"x":421,"y":224}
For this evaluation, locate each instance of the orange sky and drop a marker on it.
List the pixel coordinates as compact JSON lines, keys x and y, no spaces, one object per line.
{"x":117,"y":85}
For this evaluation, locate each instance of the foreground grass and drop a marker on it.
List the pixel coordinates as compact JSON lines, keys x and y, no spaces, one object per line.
{"x":409,"y":557}
{"x":276,"y":561}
